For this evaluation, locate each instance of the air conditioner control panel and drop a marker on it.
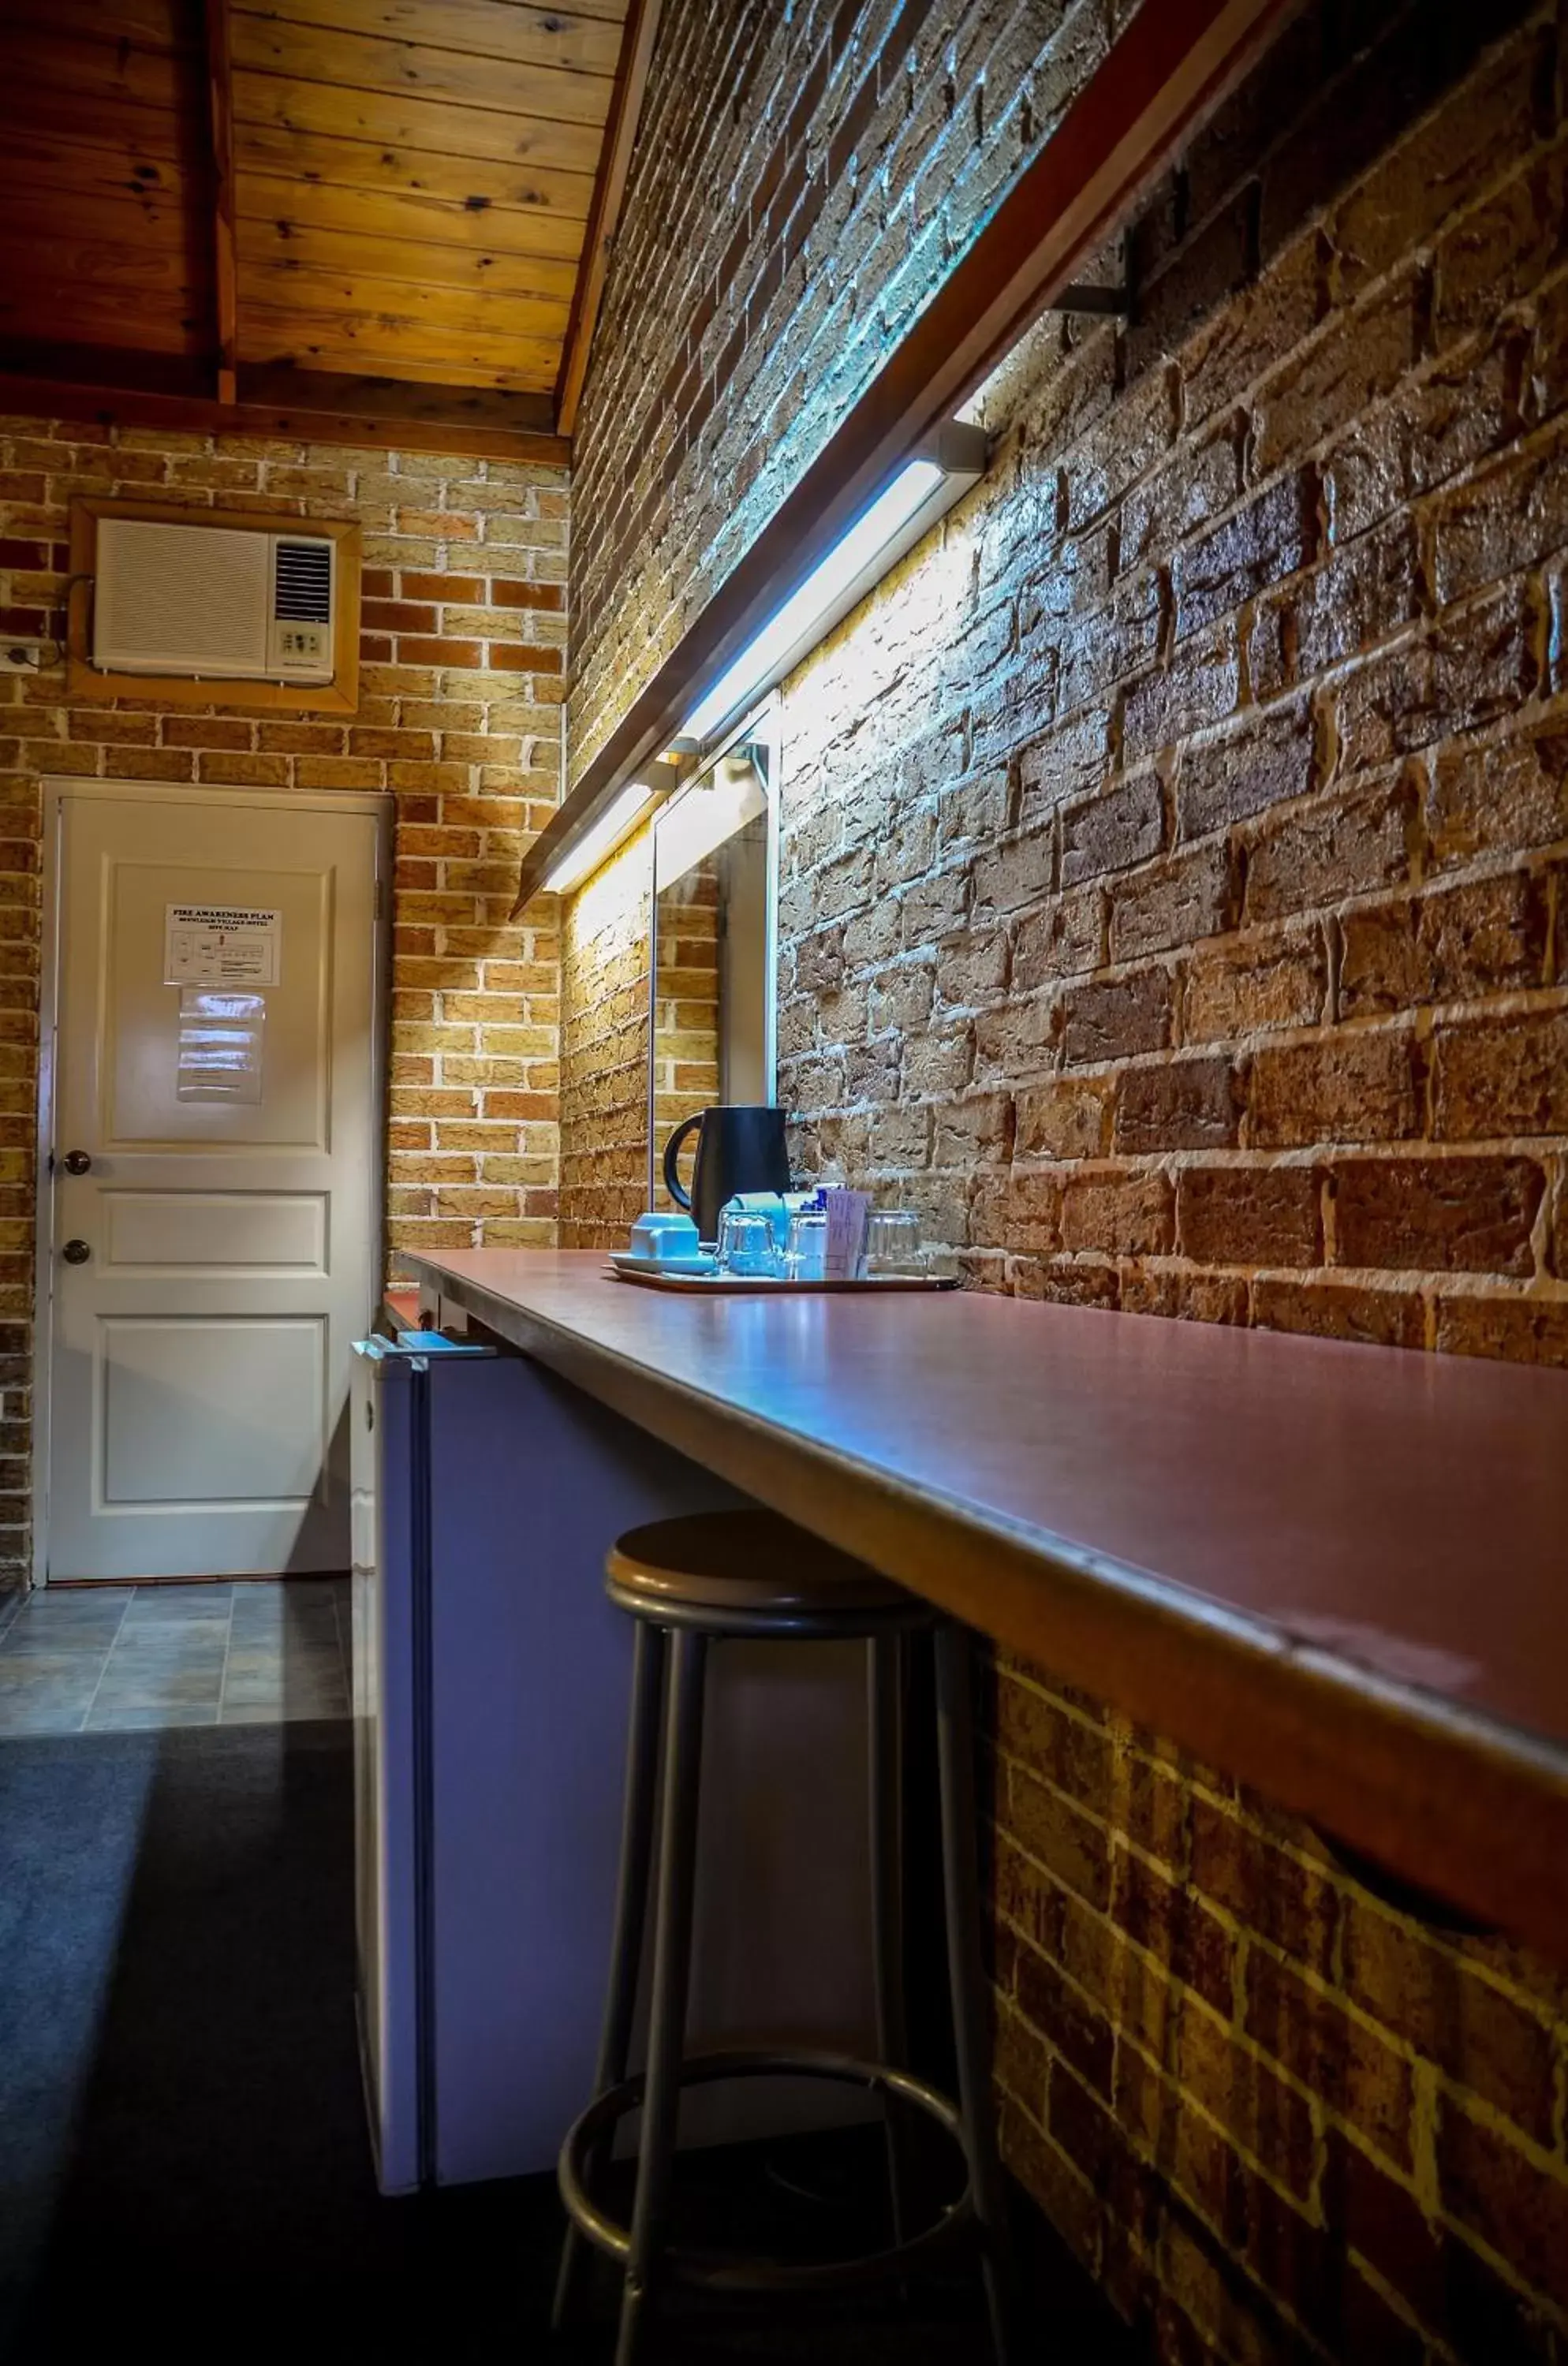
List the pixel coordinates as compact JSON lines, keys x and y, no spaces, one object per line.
{"x":295,"y":646}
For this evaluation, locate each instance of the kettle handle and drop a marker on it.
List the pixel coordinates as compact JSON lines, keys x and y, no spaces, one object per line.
{"x":672,"y":1182}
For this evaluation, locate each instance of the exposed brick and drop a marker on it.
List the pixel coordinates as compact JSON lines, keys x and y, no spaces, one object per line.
{"x":1368,"y":591}
{"x":1068,"y":1118}
{"x":1114,"y":1018}
{"x":1480,"y":2036}
{"x":1064,"y":938}
{"x":507,"y":592}
{"x":1122,"y":827}
{"x":1250,"y":1215}
{"x":1474,"y":666}
{"x":1358,"y":357}
{"x":1268,"y":2119}
{"x":1200,"y":686}
{"x":1247,"y":984}
{"x":1374,"y":1318}
{"x":1492,"y":1077}
{"x":1465,"y":1215}
{"x":1034,"y":1726}
{"x":1175,"y":902}
{"x":1343,"y":845}
{"x":1225,"y":780}
{"x":1119,"y":1214}
{"x":1183,"y":1296}
{"x":1501,"y":250}
{"x":1351,"y":1085}
{"x":1081,"y":2037}
{"x":1512,"y":516}
{"x":1490,"y":2187}
{"x":1273,"y":537}
{"x":1183,"y":1934}
{"x":1524,"y":1330}
{"x":1354,"y":2070}
{"x":1511,"y":795}
{"x":1291,"y":1904}
{"x":1067,"y":1844}
{"x":1478,"y":939}
{"x":1183,"y":1105}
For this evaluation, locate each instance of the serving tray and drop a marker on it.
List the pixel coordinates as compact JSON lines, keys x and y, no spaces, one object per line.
{"x":735,"y":1285}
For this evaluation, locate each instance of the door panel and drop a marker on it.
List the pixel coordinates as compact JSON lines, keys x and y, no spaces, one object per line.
{"x":139,"y":1073}
{"x":200,"y":1351}
{"x":217,"y":1232}
{"x":262,"y":1436}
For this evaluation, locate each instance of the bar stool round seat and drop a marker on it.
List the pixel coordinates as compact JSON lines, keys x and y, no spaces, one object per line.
{"x":691,"y":1584}
{"x":716,"y":1569}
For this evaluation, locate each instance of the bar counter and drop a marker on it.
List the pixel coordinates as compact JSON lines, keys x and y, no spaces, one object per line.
{"x":1338,"y":1573}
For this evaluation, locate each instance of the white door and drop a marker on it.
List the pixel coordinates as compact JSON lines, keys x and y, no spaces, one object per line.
{"x":215,"y":1137}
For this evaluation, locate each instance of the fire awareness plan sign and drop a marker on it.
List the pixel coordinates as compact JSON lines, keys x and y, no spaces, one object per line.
{"x":221,"y":944}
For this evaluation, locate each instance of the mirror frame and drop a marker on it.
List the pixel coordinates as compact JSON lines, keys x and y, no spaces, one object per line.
{"x":763,"y":722}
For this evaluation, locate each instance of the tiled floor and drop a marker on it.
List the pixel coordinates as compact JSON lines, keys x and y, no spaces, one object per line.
{"x":105,"y":1658}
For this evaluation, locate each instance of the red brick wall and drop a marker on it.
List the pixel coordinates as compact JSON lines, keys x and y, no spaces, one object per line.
{"x":1171,"y":908}
{"x":801,"y":179}
{"x":459,"y":719}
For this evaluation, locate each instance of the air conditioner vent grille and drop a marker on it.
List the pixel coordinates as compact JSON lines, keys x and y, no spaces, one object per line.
{"x":304,"y":588}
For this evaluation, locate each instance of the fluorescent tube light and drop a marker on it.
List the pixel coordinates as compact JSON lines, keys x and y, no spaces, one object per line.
{"x":912,"y":502}
{"x":602,"y":840}
{"x":706,"y":816}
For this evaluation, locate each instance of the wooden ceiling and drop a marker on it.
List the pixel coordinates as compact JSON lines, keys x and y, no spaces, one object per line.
{"x":390,"y":214}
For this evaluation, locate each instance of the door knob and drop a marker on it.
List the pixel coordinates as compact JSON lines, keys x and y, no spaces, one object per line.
{"x":76,"y":1161}
{"x":75,"y":1252}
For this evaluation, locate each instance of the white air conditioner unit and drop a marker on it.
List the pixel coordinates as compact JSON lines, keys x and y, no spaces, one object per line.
{"x":221,"y":602}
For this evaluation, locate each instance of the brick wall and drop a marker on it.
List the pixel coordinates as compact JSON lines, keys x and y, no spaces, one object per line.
{"x":687,"y":1061}
{"x":605,"y":1066}
{"x":606,"y":1071}
{"x":1170,"y":906}
{"x":458,"y":719}
{"x":802,"y":178}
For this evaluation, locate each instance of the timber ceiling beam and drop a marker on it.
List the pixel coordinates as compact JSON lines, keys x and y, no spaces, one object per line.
{"x":318,"y":409}
{"x":225,"y":269}
{"x":609,"y":189}
{"x":1177,"y":61}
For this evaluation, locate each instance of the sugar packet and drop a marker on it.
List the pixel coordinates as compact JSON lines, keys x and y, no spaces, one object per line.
{"x":846,"y":1213}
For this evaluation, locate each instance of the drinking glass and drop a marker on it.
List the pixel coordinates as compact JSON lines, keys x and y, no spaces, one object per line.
{"x":807,"y":1256}
{"x":746,"y":1245}
{"x":893,"y":1244}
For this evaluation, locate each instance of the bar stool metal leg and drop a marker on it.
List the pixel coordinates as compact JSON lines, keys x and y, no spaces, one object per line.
{"x":961,"y":1889}
{"x":671,"y":1967}
{"x":631,"y":1907}
{"x":884,"y":1690}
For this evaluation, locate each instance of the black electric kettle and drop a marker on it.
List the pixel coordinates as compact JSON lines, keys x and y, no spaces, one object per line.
{"x":739,"y":1148}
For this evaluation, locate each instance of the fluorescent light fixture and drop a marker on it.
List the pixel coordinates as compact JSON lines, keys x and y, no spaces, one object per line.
{"x":592,"y":848}
{"x":706,"y":815}
{"x":894,"y":522}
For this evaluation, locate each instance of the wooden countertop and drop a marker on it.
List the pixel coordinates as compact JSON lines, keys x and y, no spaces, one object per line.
{"x":1337,"y":1572}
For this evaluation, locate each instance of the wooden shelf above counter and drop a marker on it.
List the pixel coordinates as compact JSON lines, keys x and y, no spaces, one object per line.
{"x":1339,"y":1573}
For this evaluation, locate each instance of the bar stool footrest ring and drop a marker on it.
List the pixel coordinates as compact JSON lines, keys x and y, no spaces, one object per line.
{"x":593,"y":2128}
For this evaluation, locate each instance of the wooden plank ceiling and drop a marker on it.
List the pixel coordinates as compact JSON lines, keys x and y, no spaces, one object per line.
{"x":381,"y":210}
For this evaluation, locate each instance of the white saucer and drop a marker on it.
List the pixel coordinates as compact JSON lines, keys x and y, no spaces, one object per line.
{"x":685,"y":1269}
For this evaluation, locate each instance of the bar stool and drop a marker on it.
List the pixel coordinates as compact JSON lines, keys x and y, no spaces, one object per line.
{"x":708,"y":1578}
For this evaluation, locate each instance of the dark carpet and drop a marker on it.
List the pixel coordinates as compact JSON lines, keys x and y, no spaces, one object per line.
{"x":183,"y":2156}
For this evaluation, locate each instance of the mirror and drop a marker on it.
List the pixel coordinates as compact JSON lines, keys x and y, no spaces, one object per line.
{"x":712,"y":968}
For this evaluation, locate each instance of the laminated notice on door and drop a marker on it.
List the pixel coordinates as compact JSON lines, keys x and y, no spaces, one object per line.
{"x":220,"y":1045}
{"x":221,"y":944}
